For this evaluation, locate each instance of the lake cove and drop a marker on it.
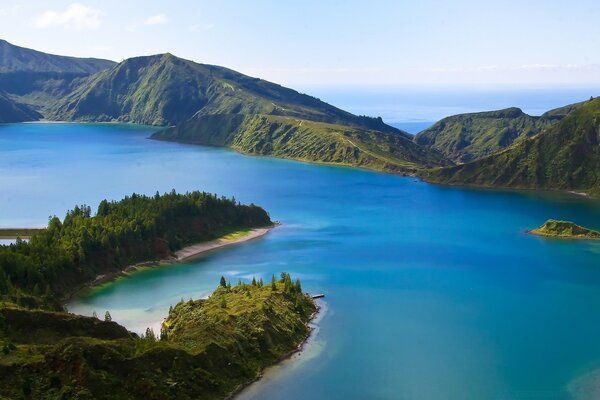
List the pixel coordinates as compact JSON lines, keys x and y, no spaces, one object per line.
{"x":432,"y":292}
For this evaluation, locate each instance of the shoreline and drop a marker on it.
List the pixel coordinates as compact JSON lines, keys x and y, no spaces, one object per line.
{"x":559,"y":237}
{"x":184,"y":254}
{"x":238,"y":391}
{"x":195,"y":250}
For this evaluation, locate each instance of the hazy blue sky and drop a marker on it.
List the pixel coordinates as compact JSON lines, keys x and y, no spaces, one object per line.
{"x":331,"y":42}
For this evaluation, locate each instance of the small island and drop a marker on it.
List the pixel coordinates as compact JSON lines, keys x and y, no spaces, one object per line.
{"x":564,"y":229}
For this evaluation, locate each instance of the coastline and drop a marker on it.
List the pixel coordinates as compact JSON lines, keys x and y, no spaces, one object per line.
{"x":184,"y":254}
{"x":312,"y":328}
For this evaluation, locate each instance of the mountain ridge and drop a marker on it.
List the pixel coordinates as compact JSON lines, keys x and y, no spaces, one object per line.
{"x":471,"y":136}
{"x":564,"y":156}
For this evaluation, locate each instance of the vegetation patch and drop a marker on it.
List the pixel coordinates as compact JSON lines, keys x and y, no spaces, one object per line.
{"x":565,"y":229}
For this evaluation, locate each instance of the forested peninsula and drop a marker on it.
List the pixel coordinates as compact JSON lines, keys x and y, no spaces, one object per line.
{"x":72,"y":252}
{"x":206,"y":349}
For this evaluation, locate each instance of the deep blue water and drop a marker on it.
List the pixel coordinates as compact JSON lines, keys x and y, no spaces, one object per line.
{"x":432,"y":292}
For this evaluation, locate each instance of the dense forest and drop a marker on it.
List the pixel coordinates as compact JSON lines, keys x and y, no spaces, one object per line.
{"x":71,"y":252}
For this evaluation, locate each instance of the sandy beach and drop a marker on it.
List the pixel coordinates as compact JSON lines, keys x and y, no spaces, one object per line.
{"x":197,"y":249}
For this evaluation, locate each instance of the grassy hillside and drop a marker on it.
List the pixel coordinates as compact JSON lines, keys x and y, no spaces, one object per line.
{"x":565,"y":156}
{"x":12,"y":111}
{"x":300,"y":139}
{"x":467,"y":137}
{"x":167,"y":90}
{"x":19,"y":59}
{"x":207,"y":349}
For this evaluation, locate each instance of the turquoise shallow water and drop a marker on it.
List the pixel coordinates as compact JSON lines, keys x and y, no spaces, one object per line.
{"x":432,"y":292}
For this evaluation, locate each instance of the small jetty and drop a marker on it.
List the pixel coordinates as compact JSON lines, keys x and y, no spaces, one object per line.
{"x":317,"y":296}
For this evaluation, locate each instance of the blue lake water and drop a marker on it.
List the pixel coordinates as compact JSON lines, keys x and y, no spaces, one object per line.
{"x":432,"y":292}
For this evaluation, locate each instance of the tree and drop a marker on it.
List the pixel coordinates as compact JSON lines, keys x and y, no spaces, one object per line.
{"x":150,"y":335}
{"x":273,"y":283}
{"x":107,"y":317}
{"x":94,"y":315}
{"x":223,"y":283}
{"x":253,"y":281}
{"x":298,"y":286}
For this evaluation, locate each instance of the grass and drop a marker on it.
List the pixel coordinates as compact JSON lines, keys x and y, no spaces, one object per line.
{"x":236,"y":235}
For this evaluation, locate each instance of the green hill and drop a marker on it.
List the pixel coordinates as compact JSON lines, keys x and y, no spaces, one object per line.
{"x":167,"y":90}
{"x":467,"y":137}
{"x":564,"y":156}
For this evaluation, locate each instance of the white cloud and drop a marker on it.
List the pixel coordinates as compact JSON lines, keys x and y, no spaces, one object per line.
{"x":75,"y":16}
{"x":158,"y":19}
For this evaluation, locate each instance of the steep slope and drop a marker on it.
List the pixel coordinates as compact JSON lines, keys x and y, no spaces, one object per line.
{"x":19,"y":59}
{"x":167,"y":90}
{"x":38,"y":80}
{"x":467,"y":137}
{"x":11,"y":111}
{"x":565,"y":156}
{"x":304,"y":140}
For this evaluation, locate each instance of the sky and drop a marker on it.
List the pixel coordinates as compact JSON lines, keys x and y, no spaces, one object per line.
{"x":326,"y":42}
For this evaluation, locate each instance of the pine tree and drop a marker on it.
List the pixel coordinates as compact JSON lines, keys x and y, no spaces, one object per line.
{"x":107,"y":317}
{"x":94,"y":314}
{"x":150,"y":336}
{"x":273,"y":283}
{"x":253,"y":281}
{"x":222,"y":283}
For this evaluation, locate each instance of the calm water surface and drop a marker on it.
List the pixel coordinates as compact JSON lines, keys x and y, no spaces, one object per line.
{"x":432,"y":292}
